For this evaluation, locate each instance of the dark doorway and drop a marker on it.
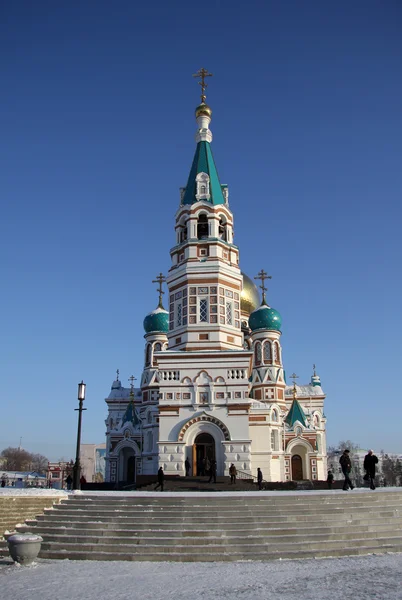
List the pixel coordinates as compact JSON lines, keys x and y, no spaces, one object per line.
{"x":131,"y":469}
{"x":297,"y":468}
{"x":203,"y":453}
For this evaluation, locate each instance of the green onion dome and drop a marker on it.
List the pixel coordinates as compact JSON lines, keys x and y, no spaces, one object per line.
{"x":157,"y":321}
{"x":265,"y":317}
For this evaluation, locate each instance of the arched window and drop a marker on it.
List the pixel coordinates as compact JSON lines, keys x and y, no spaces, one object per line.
{"x":277,"y":358}
{"x":257,"y":353}
{"x":274,"y":415}
{"x":182,"y":234}
{"x":267,"y":352}
{"x":223,"y":229}
{"x":202,"y":227}
{"x":148,"y":355}
{"x":149,"y":417}
{"x":157,"y":347}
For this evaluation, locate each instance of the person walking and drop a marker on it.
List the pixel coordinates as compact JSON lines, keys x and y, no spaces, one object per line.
{"x":346,"y":465}
{"x":187,"y":467}
{"x":232,"y":473}
{"x":259,"y":478}
{"x":330,"y":479}
{"x":161,"y":479}
{"x":212,"y":472}
{"x":370,"y":461}
{"x":69,"y":481}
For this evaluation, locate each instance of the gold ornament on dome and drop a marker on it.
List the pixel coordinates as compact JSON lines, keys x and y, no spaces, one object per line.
{"x":249,"y":298}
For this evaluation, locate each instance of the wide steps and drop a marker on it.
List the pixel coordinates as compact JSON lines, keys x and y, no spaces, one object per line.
{"x":215,"y":527}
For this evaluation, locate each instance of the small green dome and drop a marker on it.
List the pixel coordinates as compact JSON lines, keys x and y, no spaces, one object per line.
{"x":265,"y":317}
{"x":157,"y":321}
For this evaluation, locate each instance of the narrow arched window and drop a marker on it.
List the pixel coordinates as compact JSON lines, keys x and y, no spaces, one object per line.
{"x":267,"y":352}
{"x":274,"y":415}
{"x":202,"y":227}
{"x":257,"y":353}
{"x":157,"y":347}
{"x":277,"y":358}
{"x":223,"y":230}
{"x":148,"y":355}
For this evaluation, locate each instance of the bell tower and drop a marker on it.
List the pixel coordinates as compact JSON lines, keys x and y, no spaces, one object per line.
{"x":204,"y":280}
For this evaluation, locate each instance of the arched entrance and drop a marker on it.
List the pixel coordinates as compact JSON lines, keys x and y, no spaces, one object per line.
{"x":297,"y":468}
{"x":127,"y":465}
{"x":203,"y":452}
{"x":131,"y":469}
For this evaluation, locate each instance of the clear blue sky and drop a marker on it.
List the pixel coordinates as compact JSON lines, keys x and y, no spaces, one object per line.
{"x":97,"y":136}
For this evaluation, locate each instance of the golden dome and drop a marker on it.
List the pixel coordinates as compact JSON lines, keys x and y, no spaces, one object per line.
{"x":249,"y":298}
{"x":203,"y":109}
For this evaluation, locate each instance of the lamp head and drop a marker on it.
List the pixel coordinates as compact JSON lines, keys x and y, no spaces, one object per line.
{"x":81,"y":391}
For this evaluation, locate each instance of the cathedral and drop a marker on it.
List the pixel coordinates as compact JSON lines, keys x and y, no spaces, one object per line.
{"x":213,"y":384}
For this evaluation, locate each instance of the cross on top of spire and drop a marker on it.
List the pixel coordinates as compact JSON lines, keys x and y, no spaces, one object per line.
{"x":160,"y":279}
{"x":117,"y":374}
{"x":131,"y":380}
{"x":202,"y":73}
{"x":294,"y":377}
{"x":263,"y":275}
{"x":314,"y":373}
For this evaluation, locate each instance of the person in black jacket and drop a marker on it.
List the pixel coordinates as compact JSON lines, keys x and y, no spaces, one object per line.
{"x":161,"y":479}
{"x":346,"y":465}
{"x":370,"y":461}
{"x":259,"y":478}
{"x":212,"y":472}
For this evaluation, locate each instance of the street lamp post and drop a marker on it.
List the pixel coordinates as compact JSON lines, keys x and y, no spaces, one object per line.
{"x":77,"y":466}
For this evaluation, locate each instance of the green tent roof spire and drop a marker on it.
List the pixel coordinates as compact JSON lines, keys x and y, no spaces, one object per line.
{"x":295,"y":413}
{"x":203,"y":182}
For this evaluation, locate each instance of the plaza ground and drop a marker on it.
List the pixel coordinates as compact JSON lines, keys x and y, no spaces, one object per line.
{"x":366,"y":577}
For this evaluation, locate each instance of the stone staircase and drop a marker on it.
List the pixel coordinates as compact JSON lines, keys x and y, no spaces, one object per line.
{"x":16,"y":509}
{"x":220,"y":527}
{"x":200,"y":484}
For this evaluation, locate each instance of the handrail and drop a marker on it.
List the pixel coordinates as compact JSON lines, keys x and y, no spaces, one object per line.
{"x":244,"y":475}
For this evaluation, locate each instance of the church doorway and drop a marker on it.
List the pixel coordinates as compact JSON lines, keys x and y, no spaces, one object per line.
{"x":203,"y":453}
{"x":131,"y":469}
{"x":297,"y":468}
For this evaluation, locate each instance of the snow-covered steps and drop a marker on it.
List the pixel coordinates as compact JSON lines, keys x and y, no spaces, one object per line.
{"x":228,"y":527}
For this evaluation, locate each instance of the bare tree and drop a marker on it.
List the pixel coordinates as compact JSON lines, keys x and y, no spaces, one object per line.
{"x":39,"y":463}
{"x":17,"y":459}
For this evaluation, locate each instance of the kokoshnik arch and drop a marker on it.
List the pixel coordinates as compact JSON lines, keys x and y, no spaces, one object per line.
{"x":213,"y":383}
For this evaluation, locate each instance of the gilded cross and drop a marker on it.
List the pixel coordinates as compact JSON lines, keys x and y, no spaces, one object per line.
{"x":160,"y":279}
{"x":117,"y":374}
{"x":202,"y":73}
{"x":314,"y":371}
{"x":294,"y":377}
{"x":263,"y":275}
{"x":131,"y":380}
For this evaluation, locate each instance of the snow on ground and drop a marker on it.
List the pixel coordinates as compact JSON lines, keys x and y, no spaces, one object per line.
{"x":12,"y":491}
{"x":139,"y":494}
{"x":359,"y":578}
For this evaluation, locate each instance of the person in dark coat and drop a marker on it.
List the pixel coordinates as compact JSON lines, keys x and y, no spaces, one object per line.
{"x":259,"y":478}
{"x":69,"y":481}
{"x":161,"y":479}
{"x":370,"y":461}
{"x":212,"y":472}
{"x":187,"y":467}
{"x":346,"y":465}
{"x":232,"y":473}
{"x":330,"y":479}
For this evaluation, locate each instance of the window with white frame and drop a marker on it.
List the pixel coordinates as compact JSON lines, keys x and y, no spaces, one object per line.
{"x":229,"y":313}
{"x":178,"y":314}
{"x":274,"y":440}
{"x":203,"y":308}
{"x":267,"y":352}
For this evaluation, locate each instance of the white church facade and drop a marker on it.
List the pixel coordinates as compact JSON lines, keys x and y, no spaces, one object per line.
{"x":213,"y":382}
